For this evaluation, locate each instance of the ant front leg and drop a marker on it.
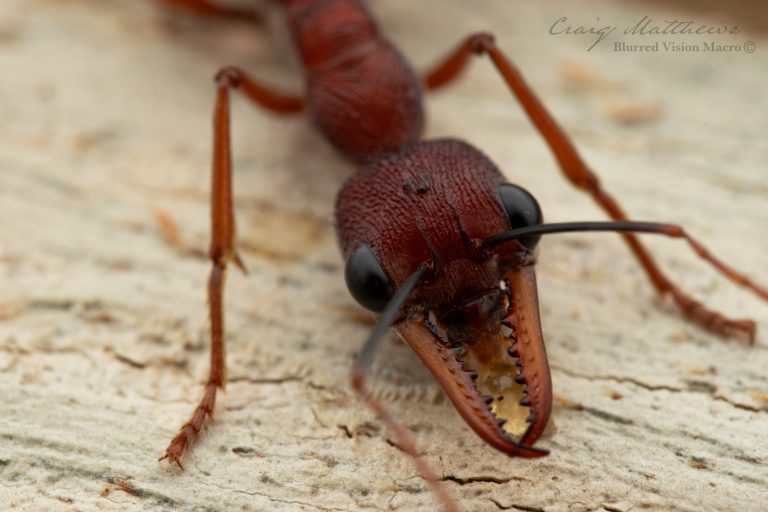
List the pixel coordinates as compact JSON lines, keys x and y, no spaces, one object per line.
{"x":222,"y":250}
{"x":582,"y":177}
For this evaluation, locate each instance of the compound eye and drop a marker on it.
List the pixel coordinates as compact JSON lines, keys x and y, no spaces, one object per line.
{"x":366,"y":280}
{"x":522,"y":210}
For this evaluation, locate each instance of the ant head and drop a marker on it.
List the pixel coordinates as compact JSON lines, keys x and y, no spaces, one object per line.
{"x":418,"y":230}
{"x":433,"y":205}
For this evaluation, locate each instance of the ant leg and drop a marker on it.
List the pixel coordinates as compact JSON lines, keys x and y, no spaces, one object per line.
{"x":208,"y":8}
{"x":222,"y":250}
{"x":582,"y":177}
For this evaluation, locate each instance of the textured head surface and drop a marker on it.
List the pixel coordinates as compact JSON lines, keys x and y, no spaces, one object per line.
{"x":425,"y":205}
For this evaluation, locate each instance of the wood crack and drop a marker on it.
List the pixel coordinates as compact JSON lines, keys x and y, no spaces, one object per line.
{"x":482,"y":479}
{"x":694,"y":387}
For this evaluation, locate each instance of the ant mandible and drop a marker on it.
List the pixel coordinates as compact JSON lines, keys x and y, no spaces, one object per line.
{"x":433,"y":236}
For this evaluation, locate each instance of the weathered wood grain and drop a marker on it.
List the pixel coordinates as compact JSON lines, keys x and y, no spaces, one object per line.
{"x":105,"y":110}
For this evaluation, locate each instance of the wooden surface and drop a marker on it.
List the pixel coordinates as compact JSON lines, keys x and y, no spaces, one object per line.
{"x":105,"y":110}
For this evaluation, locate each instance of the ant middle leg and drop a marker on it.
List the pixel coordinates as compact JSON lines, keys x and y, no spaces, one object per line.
{"x":581,"y":176}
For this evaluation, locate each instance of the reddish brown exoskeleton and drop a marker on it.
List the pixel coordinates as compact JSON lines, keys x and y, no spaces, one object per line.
{"x":433,"y":236}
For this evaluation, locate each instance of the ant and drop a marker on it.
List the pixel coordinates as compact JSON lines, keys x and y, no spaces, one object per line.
{"x":434,"y":238}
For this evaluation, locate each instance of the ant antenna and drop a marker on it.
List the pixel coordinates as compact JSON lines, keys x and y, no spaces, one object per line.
{"x":565,"y":227}
{"x":670,"y":230}
{"x":386,"y":319}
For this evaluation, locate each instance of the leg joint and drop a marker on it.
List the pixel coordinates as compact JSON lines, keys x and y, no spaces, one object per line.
{"x":481,"y":42}
{"x":228,"y":75}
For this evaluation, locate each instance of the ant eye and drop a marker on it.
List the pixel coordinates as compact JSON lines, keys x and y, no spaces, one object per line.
{"x":522,"y":209}
{"x":367,"y":281}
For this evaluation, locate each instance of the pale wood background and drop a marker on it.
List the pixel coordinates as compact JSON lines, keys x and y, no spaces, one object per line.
{"x":105,"y":110}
